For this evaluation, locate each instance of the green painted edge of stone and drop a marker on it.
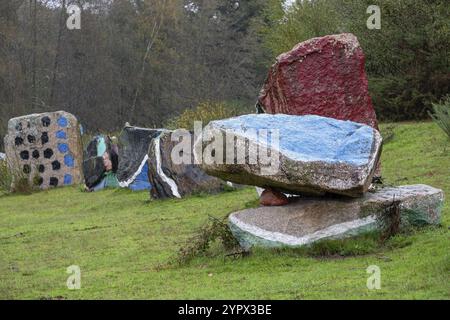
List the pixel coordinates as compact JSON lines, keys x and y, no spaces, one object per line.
{"x":248,"y":240}
{"x":416,"y":216}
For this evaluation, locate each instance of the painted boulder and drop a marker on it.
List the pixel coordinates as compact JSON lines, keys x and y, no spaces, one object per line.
{"x":45,"y":148}
{"x":134,"y":143}
{"x":293,"y":154}
{"x":172,"y":171}
{"x":94,"y":168}
{"x":307,"y":220}
{"x":322,"y":76}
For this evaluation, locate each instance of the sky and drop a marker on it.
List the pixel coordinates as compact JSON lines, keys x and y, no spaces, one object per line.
{"x":289,"y":2}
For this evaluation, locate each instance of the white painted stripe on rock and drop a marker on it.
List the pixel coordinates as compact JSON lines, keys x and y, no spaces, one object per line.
{"x":173,"y":186}
{"x":332,"y":231}
{"x":125,"y":184}
{"x":259,"y":191}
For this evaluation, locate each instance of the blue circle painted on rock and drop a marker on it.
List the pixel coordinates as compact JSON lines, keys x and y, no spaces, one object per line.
{"x":63,"y":147}
{"x":62,"y":122}
{"x":67,"y":179}
{"x":61,"y":134}
{"x":68,"y":160}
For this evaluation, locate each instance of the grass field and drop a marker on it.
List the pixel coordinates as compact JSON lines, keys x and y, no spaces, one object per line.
{"x":121,"y":239}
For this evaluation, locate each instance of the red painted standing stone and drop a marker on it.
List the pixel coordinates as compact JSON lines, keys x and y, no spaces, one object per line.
{"x":323,"y":76}
{"x":270,"y":198}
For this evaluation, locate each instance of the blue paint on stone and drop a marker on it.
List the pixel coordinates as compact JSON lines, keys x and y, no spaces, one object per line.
{"x":307,"y":138}
{"x":63,"y":147}
{"x":69,"y":161}
{"x":62,"y":122}
{"x":141,"y":182}
{"x":61,"y":134}
{"x":101,"y":146}
{"x":67,"y":179}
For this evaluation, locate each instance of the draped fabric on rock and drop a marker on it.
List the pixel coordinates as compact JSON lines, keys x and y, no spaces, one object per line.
{"x":134,"y":143}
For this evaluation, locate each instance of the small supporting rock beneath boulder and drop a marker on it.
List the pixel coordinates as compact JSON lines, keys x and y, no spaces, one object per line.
{"x":311,"y":219}
{"x":271,"y":198}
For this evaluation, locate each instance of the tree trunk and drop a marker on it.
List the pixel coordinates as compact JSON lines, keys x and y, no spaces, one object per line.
{"x":57,"y":54}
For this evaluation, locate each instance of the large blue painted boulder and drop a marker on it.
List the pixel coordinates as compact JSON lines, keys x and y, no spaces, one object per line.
{"x":295,"y":154}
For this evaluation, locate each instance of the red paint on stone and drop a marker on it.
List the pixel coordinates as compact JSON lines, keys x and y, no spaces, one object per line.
{"x":270,"y":198}
{"x":322,"y":76}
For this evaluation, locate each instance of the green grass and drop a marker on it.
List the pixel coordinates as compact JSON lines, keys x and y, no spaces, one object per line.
{"x":121,"y":241}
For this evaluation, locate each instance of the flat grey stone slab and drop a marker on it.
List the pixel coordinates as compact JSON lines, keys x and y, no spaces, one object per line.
{"x":307,"y":220}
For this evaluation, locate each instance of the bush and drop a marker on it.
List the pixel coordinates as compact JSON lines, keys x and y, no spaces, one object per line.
{"x":205,"y":112}
{"x":441,"y":115}
{"x":15,"y":180}
{"x":214,"y":229}
{"x":407,"y":61}
{"x":5,"y":178}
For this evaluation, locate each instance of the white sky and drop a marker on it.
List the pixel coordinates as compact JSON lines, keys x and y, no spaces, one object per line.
{"x":289,"y":2}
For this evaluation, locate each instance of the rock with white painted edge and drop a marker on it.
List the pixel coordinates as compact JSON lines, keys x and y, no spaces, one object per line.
{"x":2,"y":156}
{"x":176,"y":179}
{"x":45,"y":149}
{"x":308,"y":154}
{"x":134,"y":143}
{"x":307,"y":220}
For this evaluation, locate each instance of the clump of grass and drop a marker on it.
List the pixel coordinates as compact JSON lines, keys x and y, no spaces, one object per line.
{"x":363,"y":244}
{"x":214,"y":229}
{"x":388,"y":133}
{"x":387,"y":237}
{"x":5,"y":177}
{"x":389,"y":221}
{"x":441,"y":114}
{"x":252,"y":204}
{"x":13,"y":180}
